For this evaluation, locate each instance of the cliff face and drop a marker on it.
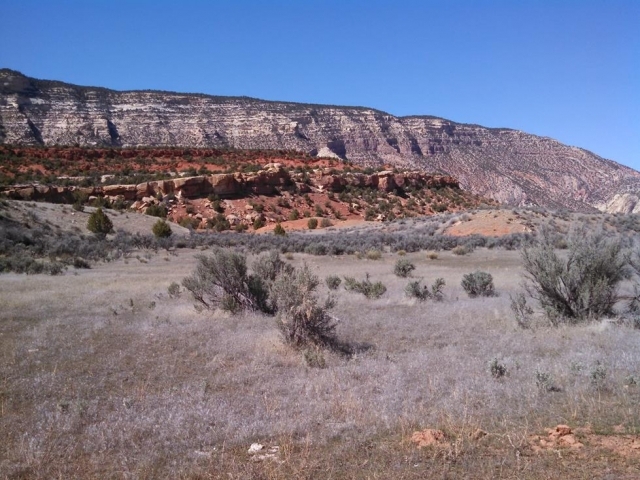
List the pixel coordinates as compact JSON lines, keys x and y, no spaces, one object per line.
{"x":507,"y":165}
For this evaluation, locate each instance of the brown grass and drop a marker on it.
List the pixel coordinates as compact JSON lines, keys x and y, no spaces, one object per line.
{"x":102,"y":375}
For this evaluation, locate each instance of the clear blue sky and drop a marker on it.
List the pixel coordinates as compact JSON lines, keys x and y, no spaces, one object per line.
{"x":564,"y":69}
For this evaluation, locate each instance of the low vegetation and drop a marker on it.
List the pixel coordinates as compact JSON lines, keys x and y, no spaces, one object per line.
{"x":403,"y":268}
{"x":478,"y":284}
{"x":99,"y":223}
{"x":416,"y":290}
{"x":366,"y":287}
{"x":583,"y":285}
{"x":180,"y":392}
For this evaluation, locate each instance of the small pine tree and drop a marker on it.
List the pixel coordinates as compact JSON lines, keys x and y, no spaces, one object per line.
{"x":99,"y":223}
{"x":161,"y":229}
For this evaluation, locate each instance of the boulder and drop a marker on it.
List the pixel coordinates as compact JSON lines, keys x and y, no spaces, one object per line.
{"x":127,"y":191}
{"x":224,"y":184}
{"x":192,"y":187}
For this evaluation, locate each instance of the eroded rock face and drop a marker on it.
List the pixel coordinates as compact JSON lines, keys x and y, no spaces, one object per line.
{"x":271,"y":180}
{"x":507,"y":165}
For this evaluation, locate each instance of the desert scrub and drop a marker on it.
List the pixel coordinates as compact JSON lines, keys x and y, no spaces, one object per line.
{"x":173,"y":290}
{"x":373,"y":254}
{"x":403,"y":268}
{"x":312,"y":223}
{"x":325,"y":223}
{"x":461,"y":250}
{"x":279,"y":230}
{"x":333,"y":282}
{"x":366,"y":287}
{"x":581,"y":286}
{"x":496,"y":369}
{"x":269,"y":265}
{"x":258,"y":223}
{"x":478,"y":284}
{"x":221,"y":281}
{"x":156,"y":211}
{"x":302,"y":321}
{"x":421,"y":292}
{"x":161,"y":229}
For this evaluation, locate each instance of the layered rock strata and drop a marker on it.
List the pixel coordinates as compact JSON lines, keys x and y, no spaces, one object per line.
{"x":507,"y":165}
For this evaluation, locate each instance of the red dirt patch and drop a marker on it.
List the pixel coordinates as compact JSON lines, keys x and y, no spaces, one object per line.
{"x":491,"y":223}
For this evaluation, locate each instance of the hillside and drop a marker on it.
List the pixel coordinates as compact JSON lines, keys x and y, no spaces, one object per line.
{"x":509,"y":166}
{"x":224,"y":189}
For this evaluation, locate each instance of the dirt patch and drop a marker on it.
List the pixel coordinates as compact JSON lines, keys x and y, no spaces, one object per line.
{"x":564,"y":437}
{"x":491,"y":223}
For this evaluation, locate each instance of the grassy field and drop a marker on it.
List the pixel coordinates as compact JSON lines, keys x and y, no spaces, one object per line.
{"x":104,"y":375}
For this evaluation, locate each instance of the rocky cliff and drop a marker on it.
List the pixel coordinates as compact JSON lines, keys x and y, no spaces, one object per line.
{"x":507,"y":165}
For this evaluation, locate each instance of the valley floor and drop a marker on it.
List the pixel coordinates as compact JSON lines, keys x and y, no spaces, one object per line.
{"x":104,"y":375}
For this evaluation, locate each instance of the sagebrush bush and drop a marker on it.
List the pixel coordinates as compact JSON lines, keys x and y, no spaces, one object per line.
{"x":421,"y":292}
{"x":403,"y":268}
{"x":312,"y":223}
{"x":221,"y":281}
{"x":173,"y":290}
{"x":269,"y":265}
{"x":301,"y":319}
{"x":333,"y":282}
{"x":581,"y":285}
{"x":478,"y":284}
{"x":368,"y":288}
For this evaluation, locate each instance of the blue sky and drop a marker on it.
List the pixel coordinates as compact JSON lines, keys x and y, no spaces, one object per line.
{"x":565,"y":69}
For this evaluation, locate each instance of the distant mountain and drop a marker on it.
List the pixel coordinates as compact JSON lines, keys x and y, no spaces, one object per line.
{"x":508,"y":165}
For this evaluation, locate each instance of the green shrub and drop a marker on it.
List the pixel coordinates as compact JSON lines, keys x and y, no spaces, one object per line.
{"x":99,"y":223}
{"x":312,"y":223}
{"x":325,"y":222}
{"x":219,"y":223}
{"x":421,"y":292}
{"x":279,"y":230}
{"x":478,"y":284}
{"x":403,"y":268}
{"x":294,"y":214}
{"x":368,"y":288}
{"x":156,"y":211}
{"x":333,"y":282}
{"x":189,"y":222}
{"x":579,"y":286}
{"x":161,"y":229}
{"x":258,"y":223}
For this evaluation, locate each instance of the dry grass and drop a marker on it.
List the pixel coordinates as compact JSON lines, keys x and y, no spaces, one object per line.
{"x":102,"y":375}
